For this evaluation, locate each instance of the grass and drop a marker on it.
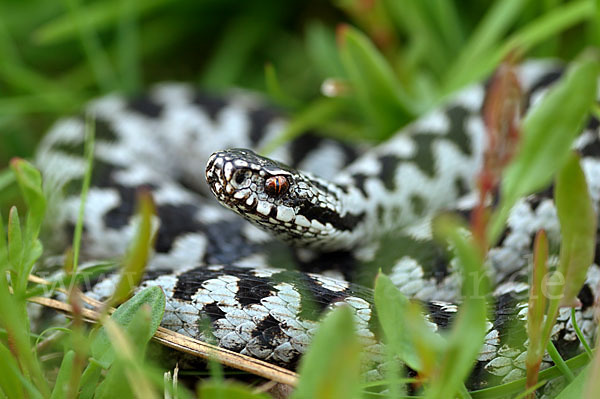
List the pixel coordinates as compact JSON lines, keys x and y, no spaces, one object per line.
{"x":390,"y":62}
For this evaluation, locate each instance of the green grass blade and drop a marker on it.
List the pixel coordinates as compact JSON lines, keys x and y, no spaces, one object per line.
{"x":315,"y":114}
{"x":404,"y":333}
{"x":65,"y":281}
{"x":97,"y":58}
{"x":128,"y":49}
{"x":549,"y":25}
{"x":331,"y":368}
{"x":96,"y":16}
{"x":154,"y":297}
{"x":412,"y":17}
{"x":575,"y":389}
{"x":468,"y":331}
{"x":518,"y":386}
{"x":537,"y":308}
{"x":241,"y":37}
{"x":322,"y":51}
{"x":228,"y":390}
{"x":447,"y":19}
{"x":376,"y":88}
{"x":578,"y":224}
{"x":547,"y":133}
{"x":61,"y":386}
{"x":580,"y":335}
{"x":559,"y":361}
{"x":274,"y":89}
{"x":488,"y":33}
{"x":139,"y":251}
{"x":90,"y":132}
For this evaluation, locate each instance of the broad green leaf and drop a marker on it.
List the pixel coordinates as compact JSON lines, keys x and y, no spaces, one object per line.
{"x":408,"y":334}
{"x":227,"y":391}
{"x":376,"y":87}
{"x":9,"y":374}
{"x":89,"y":380}
{"x":578,"y":229}
{"x":15,"y":240}
{"x":128,"y":348}
{"x":114,"y":384}
{"x":547,"y":134}
{"x":7,"y":179}
{"x":331,"y":368}
{"x":3,"y":248}
{"x":575,"y":390}
{"x":29,"y":180}
{"x":592,"y":385}
{"x":518,"y":386}
{"x":61,"y":386}
{"x":577,"y":226}
{"x":30,"y":183}
{"x":469,"y":329}
{"x":154,"y":297}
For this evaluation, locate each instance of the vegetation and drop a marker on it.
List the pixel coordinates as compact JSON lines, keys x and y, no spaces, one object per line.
{"x":381,"y":64}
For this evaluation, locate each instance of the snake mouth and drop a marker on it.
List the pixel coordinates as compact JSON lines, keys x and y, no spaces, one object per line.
{"x":220,"y":170}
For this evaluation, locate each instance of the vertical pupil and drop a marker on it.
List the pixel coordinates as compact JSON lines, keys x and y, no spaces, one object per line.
{"x":276,"y":185}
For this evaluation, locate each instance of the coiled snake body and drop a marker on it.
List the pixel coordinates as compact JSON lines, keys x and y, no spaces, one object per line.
{"x":215,"y":266}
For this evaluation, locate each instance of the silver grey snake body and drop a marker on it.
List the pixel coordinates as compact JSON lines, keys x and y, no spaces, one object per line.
{"x":263,"y":293}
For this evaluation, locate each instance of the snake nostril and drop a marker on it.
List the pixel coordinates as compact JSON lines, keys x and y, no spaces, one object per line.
{"x":239,"y":178}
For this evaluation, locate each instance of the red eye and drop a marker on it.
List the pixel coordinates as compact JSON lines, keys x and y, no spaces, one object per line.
{"x":276,"y":185}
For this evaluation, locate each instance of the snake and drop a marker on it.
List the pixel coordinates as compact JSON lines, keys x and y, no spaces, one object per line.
{"x":319,"y":218}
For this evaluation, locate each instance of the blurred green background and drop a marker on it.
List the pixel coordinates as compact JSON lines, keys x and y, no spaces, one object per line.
{"x":392,"y":59}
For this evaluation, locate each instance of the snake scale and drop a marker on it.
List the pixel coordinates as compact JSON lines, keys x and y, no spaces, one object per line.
{"x":263,"y":283}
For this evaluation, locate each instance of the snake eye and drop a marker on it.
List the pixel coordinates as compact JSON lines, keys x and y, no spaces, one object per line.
{"x":276,"y":185}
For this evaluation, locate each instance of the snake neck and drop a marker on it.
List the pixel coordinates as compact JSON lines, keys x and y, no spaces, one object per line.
{"x":397,"y":184}
{"x":394,"y":186}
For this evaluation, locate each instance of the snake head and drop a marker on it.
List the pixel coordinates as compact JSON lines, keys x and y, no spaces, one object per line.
{"x":295,"y":206}
{"x":246,"y":182}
